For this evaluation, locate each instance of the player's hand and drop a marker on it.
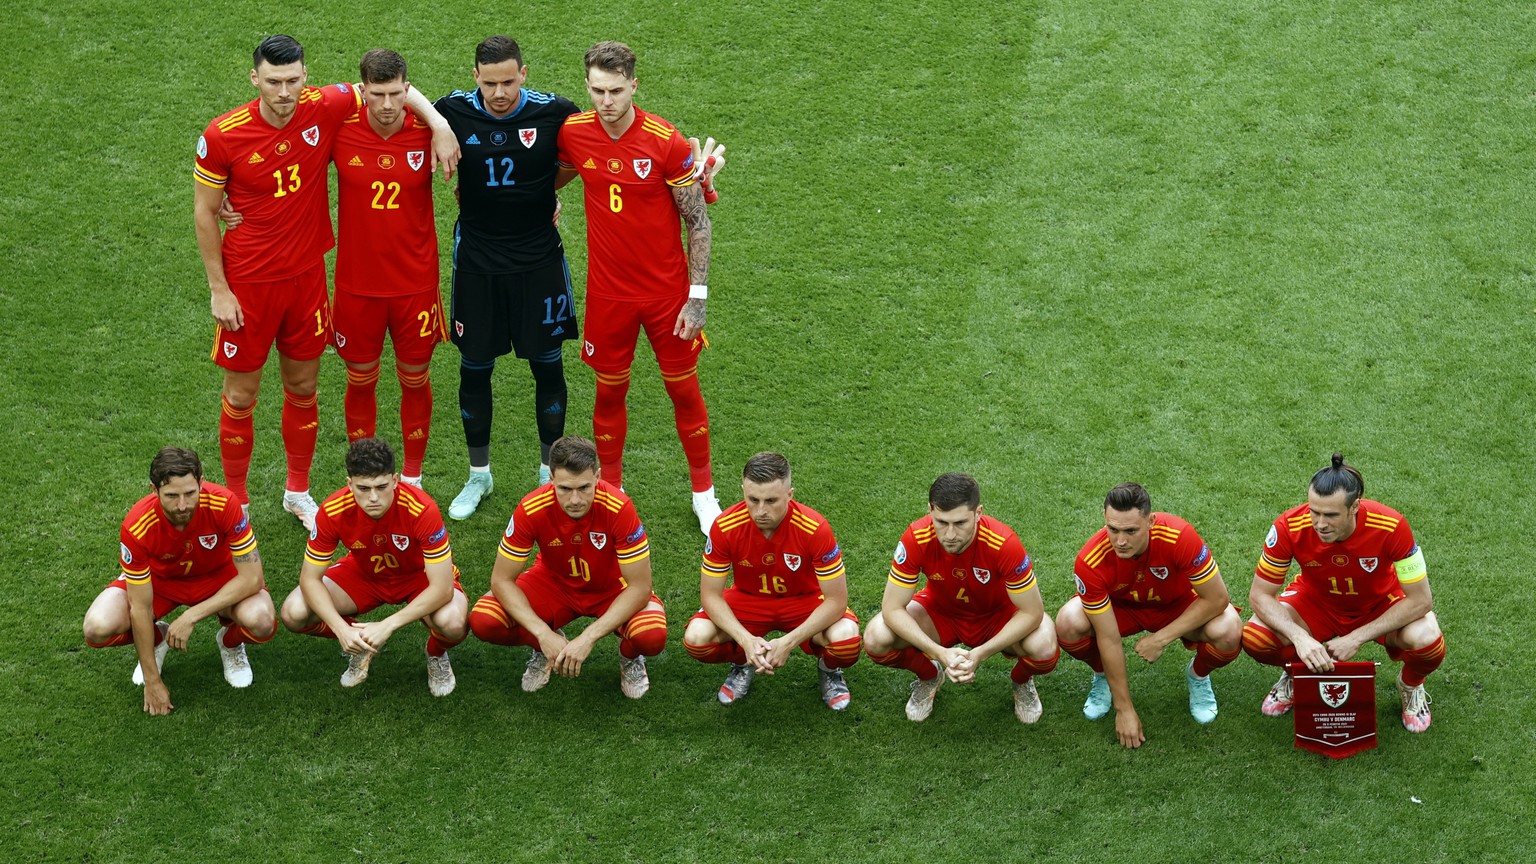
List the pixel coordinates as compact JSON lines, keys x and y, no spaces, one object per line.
{"x":375,"y":633}
{"x":1342,"y":648}
{"x":445,"y":151}
{"x":226,"y":309}
{"x":179,"y":633}
{"x":555,"y":221}
{"x":958,"y":665}
{"x":229,"y":215}
{"x":1150,"y":647}
{"x":551,"y":645}
{"x":568,"y":661}
{"x":777,"y":654}
{"x":157,"y":698}
{"x":1314,"y":654}
{"x":1128,"y":729}
{"x":757,"y":655}
{"x":351,"y":640}
{"x":690,"y":321}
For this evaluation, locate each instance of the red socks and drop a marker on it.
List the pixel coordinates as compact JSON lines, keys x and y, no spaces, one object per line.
{"x":236,"y":434}
{"x":415,"y":417}
{"x":910,"y":659}
{"x":692,"y":425}
{"x":361,"y":403}
{"x":610,"y":423}
{"x":301,"y":426}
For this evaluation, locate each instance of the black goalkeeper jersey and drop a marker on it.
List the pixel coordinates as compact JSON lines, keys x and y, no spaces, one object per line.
{"x":506,"y":181}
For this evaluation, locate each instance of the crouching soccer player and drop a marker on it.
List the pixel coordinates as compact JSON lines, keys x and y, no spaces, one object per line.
{"x":1362,"y":578}
{"x":593,"y":561}
{"x":789,"y":577}
{"x":981,"y":592}
{"x":397,"y":552}
{"x":187,"y":543}
{"x":1149,"y":572}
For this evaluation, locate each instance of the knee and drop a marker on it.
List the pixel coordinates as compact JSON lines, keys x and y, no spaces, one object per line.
{"x":841,"y":630}
{"x":295,"y":613}
{"x":878,"y":638}
{"x":99,"y":628}
{"x":699,"y":632}
{"x":1072,"y":624}
{"x":1421,"y":633}
{"x":451,"y":622}
{"x":651,"y":642}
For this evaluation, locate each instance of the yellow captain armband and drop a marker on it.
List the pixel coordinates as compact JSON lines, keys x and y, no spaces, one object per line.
{"x":1411,"y":569}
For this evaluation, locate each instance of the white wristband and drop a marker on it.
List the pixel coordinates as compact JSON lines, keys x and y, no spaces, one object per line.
{"x":698,"y":292}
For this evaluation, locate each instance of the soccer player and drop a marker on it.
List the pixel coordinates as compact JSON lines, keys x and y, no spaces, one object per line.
{"x":511,"y":285}
{"x":267,"y":276}
{"x":1361,"y":578}
{"x":980,"y":592}
{"x":594,"y":561}
{"x":1146,"y":572}
{"x":187,"y":543}
{"x":788,"y":577}
{"x":396,"y":552}
{"x":386,"y":258}
{"x":640,"y":176}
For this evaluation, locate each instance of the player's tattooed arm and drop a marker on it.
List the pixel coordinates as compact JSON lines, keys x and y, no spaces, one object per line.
{"x":695,"y":213}
{"x":251,"y":557}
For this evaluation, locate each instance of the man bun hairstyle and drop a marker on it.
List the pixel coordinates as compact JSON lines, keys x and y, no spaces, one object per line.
{"x":952,"y":490}
{"x":498,"y":49}
{"x":381,"y":66}
{"x":278,"y":50}
{"x":1129,"y":496}
{"x":573,"y":453}
{"x":766,"y":467}
{"x":174,"y":462}
{"x":610,"y":57}
{"x":1339,"y":475}
{"x":370,"y":457}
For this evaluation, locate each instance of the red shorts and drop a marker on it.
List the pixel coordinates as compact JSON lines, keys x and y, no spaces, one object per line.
{"x":1324,"y":621}
{"x":968,"y":631}
{"x":171,"y":593}
{"x":555,"y":604}
{"x":614,"y":326}
{"x":369,"y":593}
{"x":295,"y":313}
{"x":414,"y":322}
{"x":763,"y":615}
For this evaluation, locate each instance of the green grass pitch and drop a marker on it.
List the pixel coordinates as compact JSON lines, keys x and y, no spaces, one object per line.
{"x":1200,"y":244}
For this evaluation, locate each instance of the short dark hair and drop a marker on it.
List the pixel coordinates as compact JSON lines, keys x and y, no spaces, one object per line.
{"x":278,"y":50}
{"x":174,"y":462}
{"x":380,"y":66}
{"x":766,"y":467}
{"x":370,"y":457}
{"x":1128,"y":496}
{"x":610,"y":57}
{"x":574,"y":454}
{"x":498,"y":49}
{"x":1339,"y":475}
{"x":954,"y":489}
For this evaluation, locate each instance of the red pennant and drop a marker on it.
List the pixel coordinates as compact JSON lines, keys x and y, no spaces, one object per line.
{"x":1335,"y":711}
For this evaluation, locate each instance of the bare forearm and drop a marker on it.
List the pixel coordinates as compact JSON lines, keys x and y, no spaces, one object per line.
{"x":1191,"y":619}
{"x":695,"y":214}
{"x":1405,"y":611}
{"x":723,"y":618}
{"x":247,"y":581}
{"x":1020,"y":625}
{"x":624,"y":607}
{"x":906,"y":628}
{"x":1272,"y":612}
{"x":823,"y":617}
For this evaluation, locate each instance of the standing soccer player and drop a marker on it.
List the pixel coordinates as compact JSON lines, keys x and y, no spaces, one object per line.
{"x":593,"y":561}
{"x":386,"y":259}
{"x":1362,"y":578}
{"x":981,"y":593}
{"x":511,"y":286}
{"x":1151,"y":572}
{"x":187,"y":543}
{"x":788,"y":577}
{"x":267,"y":276}
{"x":396,"y":552}
{"x":640,"y":177}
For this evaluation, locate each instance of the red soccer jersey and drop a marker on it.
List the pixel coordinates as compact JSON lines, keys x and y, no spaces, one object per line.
{"x":634,"y":240}
{"x":410,"y":536}
{"x":801,"y":554}
{"x":151,"y":548}
{"x":974,"y":584}
{"x":276,"y":179}
{"x":384,"y":214}
{"x":1176,"y":560}
{"x":585,"y":553}
{"x":1355,"y":574}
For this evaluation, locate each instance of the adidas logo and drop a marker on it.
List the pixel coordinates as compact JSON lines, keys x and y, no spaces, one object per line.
{"x":255,"y":158}
{"x":556,"y":542}
{"x":356,"y":162}
{"x":308,"y":426}
{"x":237,"y":441}
{"x":357,"y":544}
{"x":702,"y":430}
{"x":589,"y":164}
{"x":558,"y":330}
{"x":472,"y":139}
{"x":355,"y":434}
{"x":416,"y":435}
